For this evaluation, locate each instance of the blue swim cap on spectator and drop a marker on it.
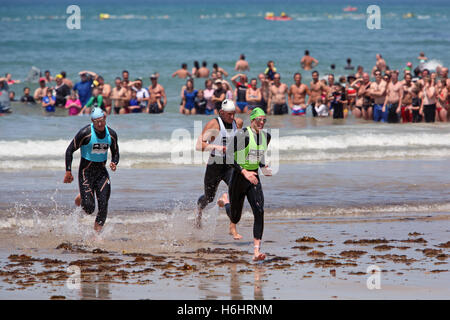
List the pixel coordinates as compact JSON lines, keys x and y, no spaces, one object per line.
{"x":97,"y":113}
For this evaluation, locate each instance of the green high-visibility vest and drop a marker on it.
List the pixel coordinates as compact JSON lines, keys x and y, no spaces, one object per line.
{"x":250,"y":157}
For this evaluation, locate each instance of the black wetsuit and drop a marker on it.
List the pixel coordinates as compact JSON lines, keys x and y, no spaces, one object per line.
{"x":216,"y":170}
{"x":93,"y":176}
{"x":240,"y":187}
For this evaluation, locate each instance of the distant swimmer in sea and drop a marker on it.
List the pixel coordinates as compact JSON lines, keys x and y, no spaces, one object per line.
{"x":93,"y":178}
{"x":182,"y":73}
{"x":248,"y":148}
{"x":308,"y":62}
{"x":422,"y":58}
{"x":215,"y":136}
{"x":242,"y":65}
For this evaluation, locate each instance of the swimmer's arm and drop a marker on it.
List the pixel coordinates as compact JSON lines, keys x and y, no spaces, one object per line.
{"x":114,"y":146}
{"x":203,"y":141}
{"x":262,"y":163}
{"x":163,"y":95}
{"x":315,"y":62}
{"x":239,"y":123}
{"x":92,"y":74}
{"x":81,"y":138}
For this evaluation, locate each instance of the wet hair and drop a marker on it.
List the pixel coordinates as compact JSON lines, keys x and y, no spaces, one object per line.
{"x":215,"y":66}
{"x":349,"y":60}
{"x":183,"y":65}
{"x":333,"y":66}
{"x":196,"y":64}
{"x":242,"y":57}
{"x":63,"y":73}
{"x":204,"y":63}
{"x":307,"y":52}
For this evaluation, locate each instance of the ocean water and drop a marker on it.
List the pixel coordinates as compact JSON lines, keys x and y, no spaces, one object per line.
{"x":323,"y":166}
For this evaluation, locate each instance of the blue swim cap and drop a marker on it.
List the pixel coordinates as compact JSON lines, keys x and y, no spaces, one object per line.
{"x":97,"y":113}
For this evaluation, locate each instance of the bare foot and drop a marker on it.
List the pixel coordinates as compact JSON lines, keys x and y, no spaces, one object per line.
{"x":234,"y":233}
{"x":259,"y":257}
{"x":78,"y":200}
{"x":223,"y":200}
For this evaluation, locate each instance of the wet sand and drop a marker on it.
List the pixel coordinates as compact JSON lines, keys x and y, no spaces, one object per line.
{"x":308,"y":258}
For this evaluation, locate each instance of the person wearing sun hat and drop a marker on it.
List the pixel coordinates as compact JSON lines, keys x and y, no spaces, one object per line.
{"x":94,"y":140}
{"x":246,"y":155}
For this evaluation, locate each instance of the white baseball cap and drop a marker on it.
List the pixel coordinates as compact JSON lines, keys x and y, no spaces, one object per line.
{"x":228,"y":105}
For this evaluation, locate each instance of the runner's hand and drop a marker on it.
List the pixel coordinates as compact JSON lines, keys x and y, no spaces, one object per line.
{"x":68,"y":178}
{"x":266,"y":171}
{"x":113,"y":166}
{"x":250,"y":176}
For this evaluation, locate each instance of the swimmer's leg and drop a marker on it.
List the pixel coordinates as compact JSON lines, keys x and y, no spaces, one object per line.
{"x":103,"y":192}
{"x":87,"y":199}
{"x":211,"y":183}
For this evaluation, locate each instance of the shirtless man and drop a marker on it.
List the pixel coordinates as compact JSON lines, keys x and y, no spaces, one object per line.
{"x":182,"y":73}
{"x":119,"y":96}
{"x":308,"y":62}
{"x":265,"y":89}
{"x":158,"y":98}
{"x":40,"y":92}
{"x":379,"y":65}
{"x":203,"y":71}
{"x":406,"y":106}
{"x":363,"y":99}
{"x":393,"y":102}
{"x":359,"y":72}
{"x":277,"y":96}
{"x":297,"y":96}
{"x":315,"y":92}
{"x":68,"y":82}
{"x":377,"y":91}
{"x":105,"y":91}
{"x":241,"y":64}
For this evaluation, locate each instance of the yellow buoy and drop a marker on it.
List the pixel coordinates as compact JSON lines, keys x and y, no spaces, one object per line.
{"x":104,"y":16}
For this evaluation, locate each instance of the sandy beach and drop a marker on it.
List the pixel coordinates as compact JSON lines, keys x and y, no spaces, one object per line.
{"x":320,"y":258}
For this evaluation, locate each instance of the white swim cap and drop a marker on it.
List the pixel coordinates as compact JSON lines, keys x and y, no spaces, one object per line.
{"x":228,"y":105}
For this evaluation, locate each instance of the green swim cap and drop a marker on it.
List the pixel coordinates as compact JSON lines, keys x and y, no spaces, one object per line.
{"x":257,"y":112}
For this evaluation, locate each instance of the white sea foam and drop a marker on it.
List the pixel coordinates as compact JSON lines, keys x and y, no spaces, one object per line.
{"x":34,"y":154}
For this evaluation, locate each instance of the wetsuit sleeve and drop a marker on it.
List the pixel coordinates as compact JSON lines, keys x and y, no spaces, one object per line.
{"x":114,"y":146}
{"x":239,"y":142}
{"x":81,"y":138}
{"x":262,"y":163}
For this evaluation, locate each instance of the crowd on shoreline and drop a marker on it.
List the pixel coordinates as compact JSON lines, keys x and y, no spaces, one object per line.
{"x":419,"y":96}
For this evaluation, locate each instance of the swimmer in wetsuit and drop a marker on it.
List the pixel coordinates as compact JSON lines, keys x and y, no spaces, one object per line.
{"x":94,"y":140}
{"x":248,"y":151}
{"x":214,"y":138}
